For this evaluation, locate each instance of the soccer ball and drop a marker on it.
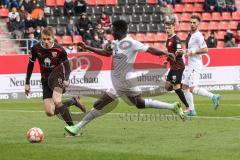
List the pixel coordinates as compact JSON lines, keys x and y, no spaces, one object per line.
{"x":35,"y":135}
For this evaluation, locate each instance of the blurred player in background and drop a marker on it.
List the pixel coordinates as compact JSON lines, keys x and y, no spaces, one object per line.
{"x":196,"y":46}
{"x":174,"y":77}
{"x":50,"y":55}
{"x":123,"y":50}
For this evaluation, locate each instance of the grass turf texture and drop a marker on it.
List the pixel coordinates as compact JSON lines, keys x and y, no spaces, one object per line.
{"x":212,"y":135}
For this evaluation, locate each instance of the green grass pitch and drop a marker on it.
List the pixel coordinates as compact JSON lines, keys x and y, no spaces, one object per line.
{"x":214,"y":135}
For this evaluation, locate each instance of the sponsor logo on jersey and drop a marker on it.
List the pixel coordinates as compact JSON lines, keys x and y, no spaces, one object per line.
{"x":54,"y":54}
{"x":125,"y":45}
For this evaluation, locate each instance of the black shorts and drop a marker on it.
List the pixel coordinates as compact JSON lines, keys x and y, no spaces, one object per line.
{"x":175,"y":76}
{"x":47,"y":92}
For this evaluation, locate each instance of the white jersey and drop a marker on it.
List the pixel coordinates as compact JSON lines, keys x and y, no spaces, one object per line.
{"x":124,"y":55}
{"x":196,"y":42}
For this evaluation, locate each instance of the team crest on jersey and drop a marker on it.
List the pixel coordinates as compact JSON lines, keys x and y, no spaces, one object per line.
{"x":39,"y":53}
{"x":47,"y":62}
{"x":169,"y":43}
{"x":54,"y":54}
{"x":125,"y":45}
{"x":174,"y":78}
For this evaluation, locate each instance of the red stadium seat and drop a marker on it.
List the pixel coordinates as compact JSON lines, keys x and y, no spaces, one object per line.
{"x":60,"y":2}
{"x":179,"y":16}
{"x":223,"y":25}
{"x":150,"y":37}
{"x":140,"y":37}
{"x":132,"y":35}
{"x":177,"y":28}
{"x":184,"y":26}
{"x":198,"y":14}
{"x":182,"y":35}
{"x":226,"y":16}
{"x":161,"y":37}
{"x":58,"y":39}
{"x":159,"y":45}
{"x":50,"y":3}
{"x":77,"y":38}
{"x":111,"y":2}
{"x":216,"y":16}
{"x":233,"y":25}
{"x":236,"y":15}
{"x":152,"y":1}
{"x":198,"y":7}
{"x":188,"y":1}
{"x":101,"y":2}
{"x":188,"y":7}
{"x":67,"y":40}
{"x":185,"y":17}
{"x":213,"y":25}
{"x":220,"y":35}
{"x":178,"y":8}
{"x":220,"y":44}
{"x":206,"y":17}
{"x":4,"y":12}
{"x":204,"y":26}
{"x":91,"y":2}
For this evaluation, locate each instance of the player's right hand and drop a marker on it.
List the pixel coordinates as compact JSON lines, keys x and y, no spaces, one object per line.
{"x":82,"y":45}
{"x":27,"y":89}
{"x":164,"y":65}
{"x":179,"y":52}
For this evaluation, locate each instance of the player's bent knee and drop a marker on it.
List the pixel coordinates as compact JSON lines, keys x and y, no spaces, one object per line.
{"x":169,"y":87}
{"x":140,"y":104}
{"x":98,"y":105}
{"x":49,"y":113}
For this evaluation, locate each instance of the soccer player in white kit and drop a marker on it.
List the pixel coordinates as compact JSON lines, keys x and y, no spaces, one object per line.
{"x":124,"y":50}
{"x":196,"y":46}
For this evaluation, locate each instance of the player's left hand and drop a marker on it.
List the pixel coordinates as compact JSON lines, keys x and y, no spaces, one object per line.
{"x":179,"y":52}
{"x":65,"y":84}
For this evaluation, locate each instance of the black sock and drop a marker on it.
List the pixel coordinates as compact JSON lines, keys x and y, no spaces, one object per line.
{"x":69,"y":102}
{"x":64,"y":112}
{"x":182,"y":97}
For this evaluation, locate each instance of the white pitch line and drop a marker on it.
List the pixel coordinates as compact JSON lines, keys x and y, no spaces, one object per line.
{"x":132,"y":114}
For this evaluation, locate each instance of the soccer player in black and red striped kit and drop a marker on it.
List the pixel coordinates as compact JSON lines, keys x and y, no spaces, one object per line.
{"x":174,"y":77}
{"x":50,"y":55}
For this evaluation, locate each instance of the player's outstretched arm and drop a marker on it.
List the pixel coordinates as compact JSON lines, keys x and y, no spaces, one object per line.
{"x":98,"y":51}
{"x":28,"y":76}
{"x":191,"y":53}
{"x":159,"y":52}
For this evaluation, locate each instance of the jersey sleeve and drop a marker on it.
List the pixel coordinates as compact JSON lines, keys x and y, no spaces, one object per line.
{"x":202,"y":43}
{"x":32,"y":55}
{"x":64,"y":55}
{"x":138,"y":46}
{"x":66,"y":64}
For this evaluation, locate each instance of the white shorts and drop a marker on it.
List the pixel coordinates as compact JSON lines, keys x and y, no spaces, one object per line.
{"x":191,"y":77}
{"x":123,"y":92}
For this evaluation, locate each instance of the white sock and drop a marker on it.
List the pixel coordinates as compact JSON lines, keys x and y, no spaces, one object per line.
{"x":189,"y":98}
{"x":202,"y":92}
{"x":158,"y":104}
{"x":94,"y":113}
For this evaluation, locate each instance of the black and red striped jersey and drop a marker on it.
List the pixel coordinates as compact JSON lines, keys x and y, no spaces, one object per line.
{"x":173,"y":44}
{"x":48,"y":58}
